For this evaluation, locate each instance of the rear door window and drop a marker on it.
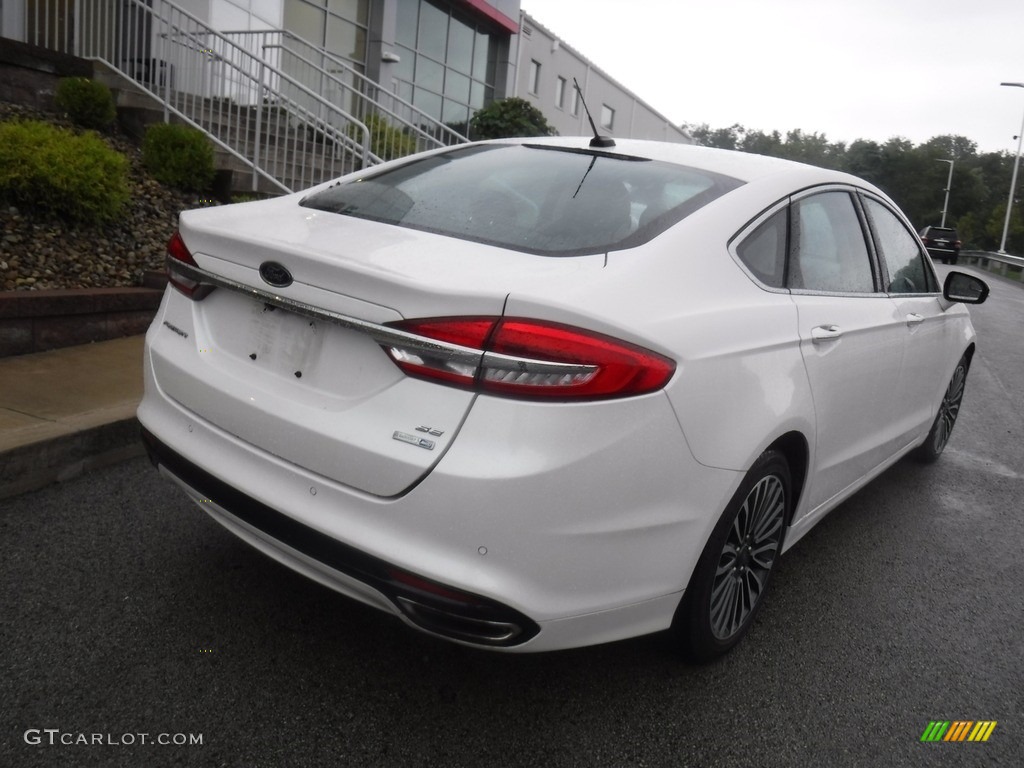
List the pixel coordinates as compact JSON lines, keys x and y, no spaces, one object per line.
{"x":828,"y":252}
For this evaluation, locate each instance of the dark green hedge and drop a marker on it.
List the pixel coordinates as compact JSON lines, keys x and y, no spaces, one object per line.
{"x":509,"y":117}
{"x":87,"y":102}
{"x":179,"y":156}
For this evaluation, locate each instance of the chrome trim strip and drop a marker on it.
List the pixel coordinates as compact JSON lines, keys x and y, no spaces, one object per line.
{"x":382,"y":334}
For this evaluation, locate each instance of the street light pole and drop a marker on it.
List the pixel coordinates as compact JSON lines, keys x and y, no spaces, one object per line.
{"x":949,"y":183}
{"x":1013,"y":179}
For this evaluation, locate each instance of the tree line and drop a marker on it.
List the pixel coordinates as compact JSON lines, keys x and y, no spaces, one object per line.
{"x":911,"y":175}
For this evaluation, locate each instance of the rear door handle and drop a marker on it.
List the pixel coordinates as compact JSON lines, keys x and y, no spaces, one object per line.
{"x":825,"y":333}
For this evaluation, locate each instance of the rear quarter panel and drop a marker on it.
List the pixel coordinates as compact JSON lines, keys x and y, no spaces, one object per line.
{"x":740,"y":381}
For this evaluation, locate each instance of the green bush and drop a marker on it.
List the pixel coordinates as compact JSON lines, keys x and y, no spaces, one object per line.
{"x":53,"y":170}
{"x":87,"y":102}
{"x":509,"y":117}
{"x":386,"y":141}
{"x":179,"y":156}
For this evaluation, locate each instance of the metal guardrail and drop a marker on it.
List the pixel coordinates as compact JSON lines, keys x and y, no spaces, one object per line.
{"x":1002,"y":258}
{"x":289,"y":135}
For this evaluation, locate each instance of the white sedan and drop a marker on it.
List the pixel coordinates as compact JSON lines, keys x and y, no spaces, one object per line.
{"x":536,"y":394}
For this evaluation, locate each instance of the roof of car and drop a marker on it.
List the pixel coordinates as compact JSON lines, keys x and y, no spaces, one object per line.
{"x":744,"y":166}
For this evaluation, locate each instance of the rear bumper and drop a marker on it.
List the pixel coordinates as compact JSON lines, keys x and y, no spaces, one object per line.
{"x":542,"y":527}
{"x":434,"y":607}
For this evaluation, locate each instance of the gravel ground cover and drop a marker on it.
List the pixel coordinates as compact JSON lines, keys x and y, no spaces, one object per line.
{"x":39,"y":252}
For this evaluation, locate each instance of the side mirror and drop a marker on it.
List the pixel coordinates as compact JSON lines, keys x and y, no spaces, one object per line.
{"x":964,"y":288}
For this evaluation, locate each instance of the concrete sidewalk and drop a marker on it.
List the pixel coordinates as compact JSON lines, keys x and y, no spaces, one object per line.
{"x":68,"y":410}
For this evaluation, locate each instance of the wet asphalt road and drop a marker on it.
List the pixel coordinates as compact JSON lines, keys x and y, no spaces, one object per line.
{"x":126,"y":611}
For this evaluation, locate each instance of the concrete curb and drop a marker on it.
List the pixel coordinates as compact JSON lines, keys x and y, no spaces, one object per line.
{"x":68,"y":410}
{"x":61,"y":458}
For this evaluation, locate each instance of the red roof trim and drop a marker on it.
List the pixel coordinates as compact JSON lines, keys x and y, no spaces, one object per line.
{"x":486,"y":9}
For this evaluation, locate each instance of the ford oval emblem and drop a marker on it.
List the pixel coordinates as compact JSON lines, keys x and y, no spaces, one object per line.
{"x":274,"y":274}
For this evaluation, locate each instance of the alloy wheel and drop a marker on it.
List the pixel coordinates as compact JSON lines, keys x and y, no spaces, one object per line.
{"x":950,"y":407}
{"x":748,"y":556}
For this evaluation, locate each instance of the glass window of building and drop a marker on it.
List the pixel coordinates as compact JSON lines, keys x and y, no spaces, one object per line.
{"x":405,"y":25}
{"x":483,"y":65}
{"x":432,"y":34}
{"x":575,"y":110}
{"x":460,"y":46}
{"x":340,"y":26}
{"x":607,"y":117}
{"x":346,"y":39}
{"x":560,"y":92}
{"x":305,"y":20}
{"x":354,"y":10}
{"x":448,"y":59}
{"x":534,"y":76}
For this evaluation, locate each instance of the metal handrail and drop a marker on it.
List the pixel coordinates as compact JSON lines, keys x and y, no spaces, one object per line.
{"x":416,"y":130}
{"x":207,"y":80}
{"x":368,"y":98}
{"x":267,"y":69}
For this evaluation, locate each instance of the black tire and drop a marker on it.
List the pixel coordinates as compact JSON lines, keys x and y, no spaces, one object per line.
{"x":728,"y":585}
{"x":945,"y":419}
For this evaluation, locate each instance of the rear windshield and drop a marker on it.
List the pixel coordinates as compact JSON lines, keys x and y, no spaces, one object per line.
{"x":532,"y":198}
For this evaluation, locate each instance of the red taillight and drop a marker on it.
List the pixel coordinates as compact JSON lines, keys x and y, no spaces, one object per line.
{"x":516,"y":357}
{"x":178,"y":251}
{"x":470,"y":332}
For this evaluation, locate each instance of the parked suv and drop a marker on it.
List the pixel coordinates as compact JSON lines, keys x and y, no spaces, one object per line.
{"x":942,"y":243}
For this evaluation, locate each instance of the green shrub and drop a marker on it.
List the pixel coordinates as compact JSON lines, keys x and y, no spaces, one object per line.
{"x":509,"y":117}
{"x":87,"y":102}
{"x":179,"y":156}
{"x":53,"y":170}
{"x":386,"y":141}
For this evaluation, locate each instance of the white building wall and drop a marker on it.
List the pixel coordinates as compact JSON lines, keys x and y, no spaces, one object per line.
{"x":634,"y":118}
{"x":198,"y":8}
{"x":235,"y":15}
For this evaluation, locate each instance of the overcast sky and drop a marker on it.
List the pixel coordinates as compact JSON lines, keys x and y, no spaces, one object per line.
{"x":849,"y":69}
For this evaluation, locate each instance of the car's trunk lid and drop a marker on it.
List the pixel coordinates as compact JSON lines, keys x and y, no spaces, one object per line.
{"x":309,"y":390}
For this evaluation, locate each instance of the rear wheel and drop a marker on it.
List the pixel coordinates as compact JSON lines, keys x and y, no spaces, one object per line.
{"x":729,"y":582}
{"x":945,"y":419}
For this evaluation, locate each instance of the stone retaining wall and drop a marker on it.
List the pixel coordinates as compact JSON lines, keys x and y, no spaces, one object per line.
{"x":29,"y":75}
{"x":35,"y":321}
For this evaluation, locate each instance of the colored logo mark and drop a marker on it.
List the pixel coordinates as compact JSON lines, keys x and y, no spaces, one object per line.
{"x":958,"y":730}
